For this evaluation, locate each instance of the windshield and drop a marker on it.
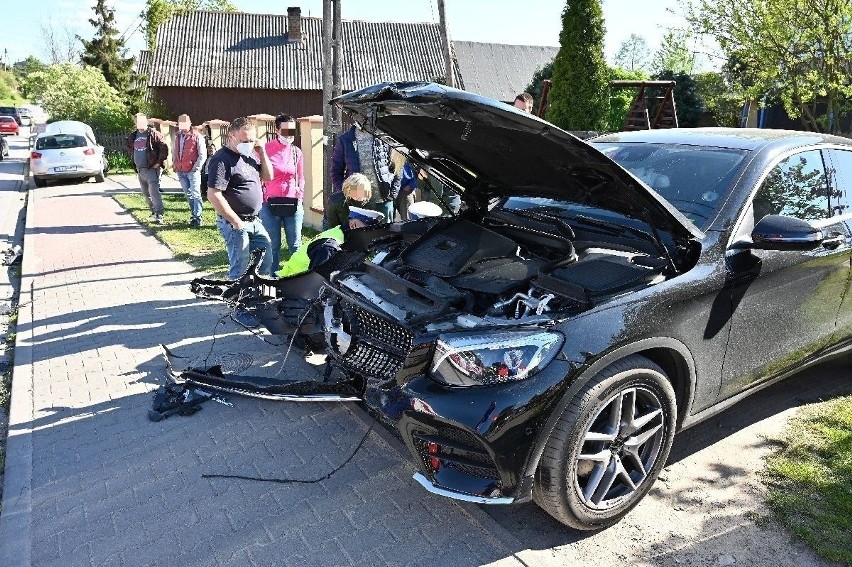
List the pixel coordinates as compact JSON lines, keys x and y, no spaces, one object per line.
{"x":60,"y":142}
{"x":695,"y":180}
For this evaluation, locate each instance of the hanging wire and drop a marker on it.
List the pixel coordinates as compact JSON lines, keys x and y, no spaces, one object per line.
{"x":326,"y":476}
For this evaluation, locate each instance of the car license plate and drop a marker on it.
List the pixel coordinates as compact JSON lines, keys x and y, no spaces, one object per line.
{"x":65,"y":168}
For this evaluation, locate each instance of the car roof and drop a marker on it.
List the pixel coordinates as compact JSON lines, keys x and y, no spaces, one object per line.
{"x":734,"y":138}
{"x":68,"y":126}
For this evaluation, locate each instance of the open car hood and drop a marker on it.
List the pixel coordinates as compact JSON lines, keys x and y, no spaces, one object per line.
{"x":491,"y":148}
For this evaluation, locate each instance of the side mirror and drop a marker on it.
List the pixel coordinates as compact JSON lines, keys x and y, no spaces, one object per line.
{"x":777,"y":232}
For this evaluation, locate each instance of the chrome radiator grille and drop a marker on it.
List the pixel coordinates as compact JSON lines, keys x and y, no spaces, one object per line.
{"x":363,"y":342}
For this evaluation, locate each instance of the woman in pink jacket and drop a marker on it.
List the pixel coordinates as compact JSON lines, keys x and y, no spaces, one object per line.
{"x":282,"y":199}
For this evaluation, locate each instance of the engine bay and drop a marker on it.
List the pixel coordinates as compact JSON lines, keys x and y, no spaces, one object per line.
{"x":461,"y":273}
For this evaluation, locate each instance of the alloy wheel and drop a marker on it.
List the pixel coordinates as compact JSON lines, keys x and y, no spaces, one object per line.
{"x":620,"y":446}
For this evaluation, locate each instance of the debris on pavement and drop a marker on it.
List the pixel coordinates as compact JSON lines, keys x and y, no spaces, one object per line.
{"x":262,"y":387}
{"x":12,"y":255}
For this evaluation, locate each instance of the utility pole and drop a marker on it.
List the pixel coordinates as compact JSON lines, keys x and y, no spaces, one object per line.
{"x":337,"y":66}
{"x":449,"y":77}
{"x":331,"y":87}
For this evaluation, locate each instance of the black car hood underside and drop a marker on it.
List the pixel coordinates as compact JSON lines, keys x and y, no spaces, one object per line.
{"x":504,"y":152}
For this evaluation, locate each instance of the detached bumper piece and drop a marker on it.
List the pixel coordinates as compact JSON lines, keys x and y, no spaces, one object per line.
{"x":260,"y":386}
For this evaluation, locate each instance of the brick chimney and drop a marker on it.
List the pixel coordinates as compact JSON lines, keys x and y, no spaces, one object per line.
{"x":294,"y":24}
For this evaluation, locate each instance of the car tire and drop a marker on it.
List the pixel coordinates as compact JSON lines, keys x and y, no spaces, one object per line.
{"x":582,"y":477}
{"x":39,"y":181}
{"x":99,"y":178}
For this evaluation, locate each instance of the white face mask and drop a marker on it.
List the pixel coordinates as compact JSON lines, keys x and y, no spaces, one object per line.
{"x":286,"y":139}
{"x":246,"y":148}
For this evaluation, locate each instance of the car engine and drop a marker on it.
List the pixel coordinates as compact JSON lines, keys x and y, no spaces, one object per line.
{"x":461,"y":274}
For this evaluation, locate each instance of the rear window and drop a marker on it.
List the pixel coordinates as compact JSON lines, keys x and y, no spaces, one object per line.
{"x":6,"y":119}
{"x":7,"y":110}
{"x":60,"y":142}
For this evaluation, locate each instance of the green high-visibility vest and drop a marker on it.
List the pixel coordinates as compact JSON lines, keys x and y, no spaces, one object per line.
{"x":299,"y":262}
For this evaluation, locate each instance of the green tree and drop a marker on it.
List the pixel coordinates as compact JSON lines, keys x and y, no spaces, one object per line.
{"x":9,"y":92}
{"x":158,"y":11}
{"x":106,"y":50}
{"x":70,"y":92}
{"x":633,"y":54}
{"x":797,"y":51}
{"x":29,"y":65}
{"x":720,"y":98}
{"x":674,"y":54}
{"x":579,"y":97}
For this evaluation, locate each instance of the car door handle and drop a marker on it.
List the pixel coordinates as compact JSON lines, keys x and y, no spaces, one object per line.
{"x":834,"y":241}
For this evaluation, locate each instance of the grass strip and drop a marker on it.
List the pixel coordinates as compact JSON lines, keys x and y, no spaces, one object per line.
{"x":809,"y":476}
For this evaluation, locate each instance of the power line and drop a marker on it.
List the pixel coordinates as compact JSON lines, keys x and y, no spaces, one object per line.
{"x":121,"y":37}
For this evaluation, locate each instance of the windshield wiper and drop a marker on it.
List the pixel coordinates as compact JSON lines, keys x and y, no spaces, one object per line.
{"x":563,"y":226}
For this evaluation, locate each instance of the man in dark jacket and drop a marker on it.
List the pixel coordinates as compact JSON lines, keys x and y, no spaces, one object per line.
{"x":358,"y":151}
{"x":148,"y":152}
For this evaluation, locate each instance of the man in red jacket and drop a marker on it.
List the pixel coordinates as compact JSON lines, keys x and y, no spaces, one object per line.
{"x":190,"y":152}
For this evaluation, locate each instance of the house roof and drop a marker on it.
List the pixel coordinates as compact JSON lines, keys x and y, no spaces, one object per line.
{"x":251,"y":51}
{"x":500,"y":71}
{"x":143,"y":62}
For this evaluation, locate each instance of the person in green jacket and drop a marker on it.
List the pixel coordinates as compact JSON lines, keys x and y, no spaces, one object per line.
{"x":324,"y":246}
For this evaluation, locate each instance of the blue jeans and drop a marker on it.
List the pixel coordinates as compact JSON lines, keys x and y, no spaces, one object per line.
{"x":191,"y":184}
{"x":240,"y":243}
{"x":386,"y":208}
{"x":292,"y":231}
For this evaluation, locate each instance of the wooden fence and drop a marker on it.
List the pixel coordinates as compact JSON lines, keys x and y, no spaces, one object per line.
{"x":112,"y":143}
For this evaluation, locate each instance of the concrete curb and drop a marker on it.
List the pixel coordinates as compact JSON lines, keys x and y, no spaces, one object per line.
{"x":16,"y":517}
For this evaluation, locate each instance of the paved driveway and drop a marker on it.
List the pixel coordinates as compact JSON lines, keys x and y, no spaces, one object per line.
{"x":91,"y":481}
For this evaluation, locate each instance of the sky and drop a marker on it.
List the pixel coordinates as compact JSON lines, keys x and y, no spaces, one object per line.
{"x":523,"y":22}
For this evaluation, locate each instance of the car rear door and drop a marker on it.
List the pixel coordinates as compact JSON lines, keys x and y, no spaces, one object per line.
{"x":785,"y":303}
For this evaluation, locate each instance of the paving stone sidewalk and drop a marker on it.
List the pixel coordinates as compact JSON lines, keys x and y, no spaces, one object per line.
{"x":91,"y":481}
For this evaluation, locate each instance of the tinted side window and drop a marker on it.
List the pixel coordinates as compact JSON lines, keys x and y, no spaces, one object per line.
{"x":796,"y":187}
{"x":840,"y":172}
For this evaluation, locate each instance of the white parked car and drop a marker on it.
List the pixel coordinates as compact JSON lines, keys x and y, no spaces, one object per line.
{"x":66,"y":149}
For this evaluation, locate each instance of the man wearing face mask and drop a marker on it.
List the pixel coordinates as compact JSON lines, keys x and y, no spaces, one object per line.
{"x":234,"y":190}
{"x":282,"y":199}
{"x":148,"y":152}
{"x":190,"y":153}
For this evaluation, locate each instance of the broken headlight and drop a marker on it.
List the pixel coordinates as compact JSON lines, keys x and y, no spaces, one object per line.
{"x":493,"y":358}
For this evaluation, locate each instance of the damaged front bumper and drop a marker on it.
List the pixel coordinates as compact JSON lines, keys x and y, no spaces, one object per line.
{"x":262,"y":387}
{"x":469,"y":444}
